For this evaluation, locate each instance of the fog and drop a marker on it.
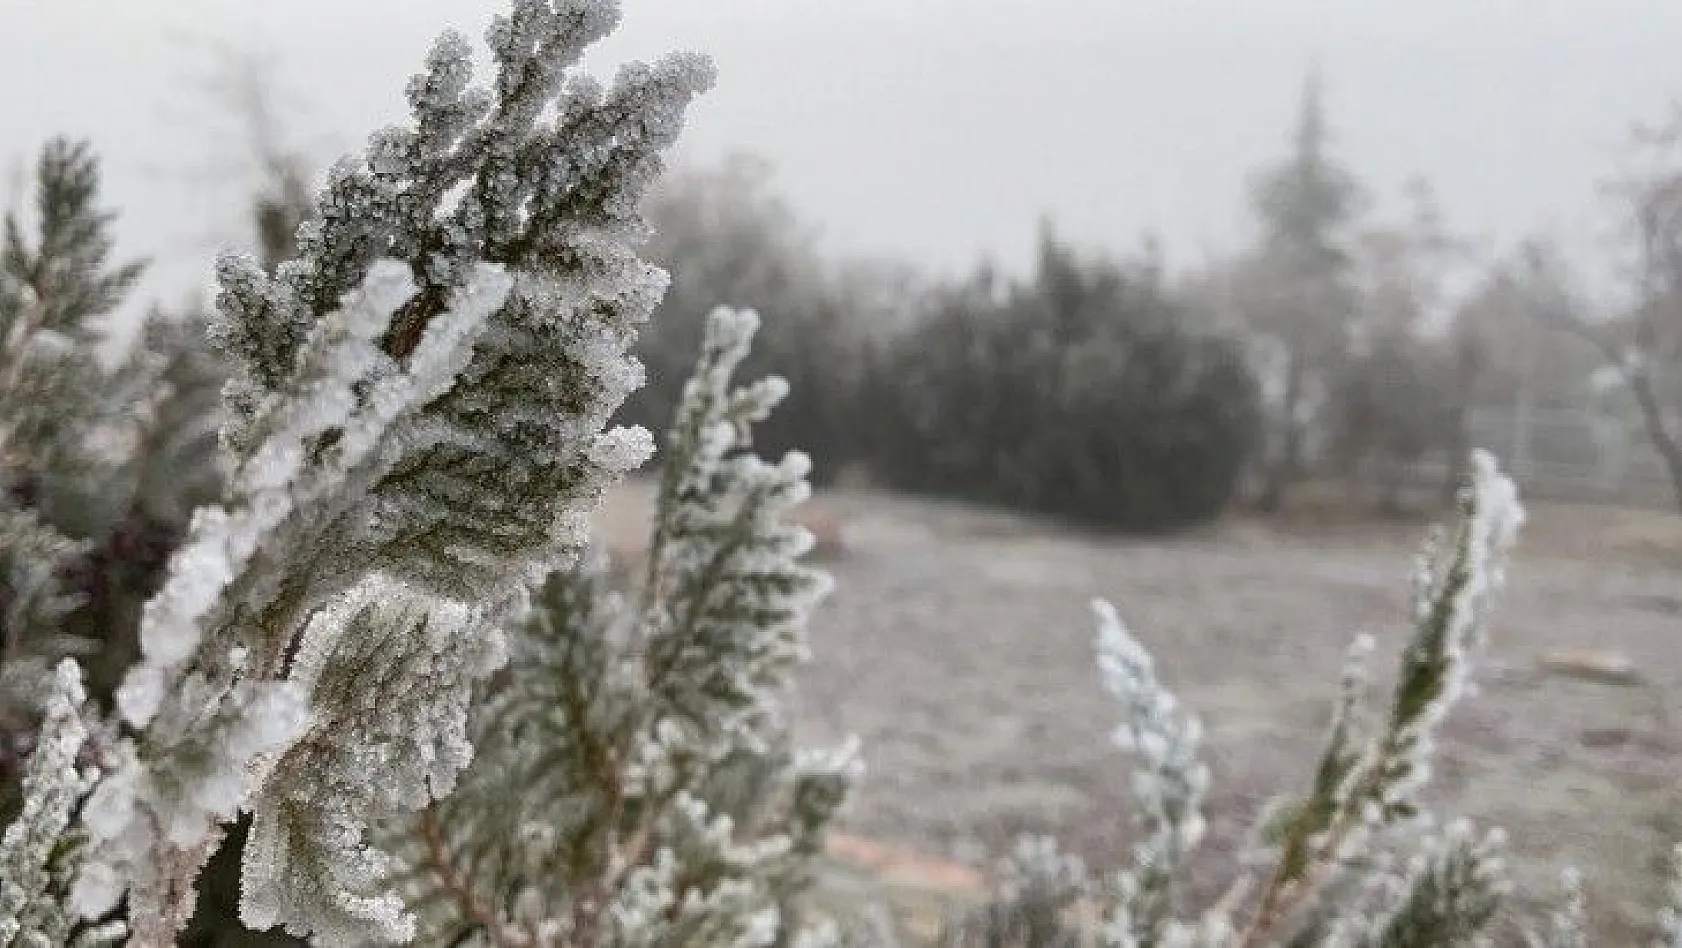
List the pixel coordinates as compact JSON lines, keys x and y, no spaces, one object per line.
{"x":1203,"y":308}
{"x":935,"y":130}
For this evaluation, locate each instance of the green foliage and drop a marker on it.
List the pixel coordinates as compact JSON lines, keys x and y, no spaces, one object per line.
{"x":1037,"y":905}
{"x":1450,"y":894}
{"x":80,"y":549}
{"x":60,"y":280}
{"x":1088,"y":392}
{"x":633,"y":781}
{"x":57,"y":287}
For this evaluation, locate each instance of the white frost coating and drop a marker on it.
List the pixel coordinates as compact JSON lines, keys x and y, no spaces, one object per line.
{"x":622,"y":449}
{"x":110,"y":807}
{"x":218,"y":545}
{"x":390,"y":673}
{"x":1171,"y":780}
{"x":52,"y":786}
{"x":1455,"y":586}
{"x":220,"y":728}
{"x":255,"y":719}
{"x":447,"y":345}
{"x":135,"y":808}
{"x":274,"y":481}
{"x":97,"y":890}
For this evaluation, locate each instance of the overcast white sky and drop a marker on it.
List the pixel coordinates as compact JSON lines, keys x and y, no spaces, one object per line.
{"x":938,"y":130}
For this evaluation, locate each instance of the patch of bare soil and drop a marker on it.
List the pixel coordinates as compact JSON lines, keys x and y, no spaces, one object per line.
{"x":958,"y":647}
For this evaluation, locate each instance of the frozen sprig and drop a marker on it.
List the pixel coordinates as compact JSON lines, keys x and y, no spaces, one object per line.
{"x":1459,"y":579}
{"x":1357,"y":863}
{"x":701,"y":887}
{"x":725,"y":602}
{"x":1303,"y":831}
{"x":1169,"y":782}
{"x":1447,"y":893}
{"x":39,"y":847}
{"x":1358,"y":791}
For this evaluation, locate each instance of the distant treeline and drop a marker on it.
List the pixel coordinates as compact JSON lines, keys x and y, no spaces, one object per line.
{"x":1116,"y":391}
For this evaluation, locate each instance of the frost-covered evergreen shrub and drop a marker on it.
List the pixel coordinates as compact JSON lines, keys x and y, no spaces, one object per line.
{"x":1350,"y":860}
{"x":1087,"y":392}
{"x":414,"y":435}
{"x":386,"y":645}
{"x":60,"y":439}
{"x":101,"y":463}
{"x":415,"y":432}
{"x":633,"y":780}
{"x":92,"y":530}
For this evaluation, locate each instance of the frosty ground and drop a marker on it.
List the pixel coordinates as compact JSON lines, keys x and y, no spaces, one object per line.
{"x":958,"y":647}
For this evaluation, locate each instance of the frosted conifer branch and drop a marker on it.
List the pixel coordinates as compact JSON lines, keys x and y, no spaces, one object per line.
{"x":725,"y":605}
{"x":700,"y":888}
{"x":419,"y":408}
{"x":1169,"y":782}
{"x":1447,"y":894}
{"x":1459,"y":582}
{"x":1303,"y":831}
{"x":1041,"y":884}
{"x":57,"y":285}
{"x":634,"y":780}
{"x":1353,"y":794}
{"x":389,"y":675}
{"x":37,"y":850}
{"x":210,"y":689}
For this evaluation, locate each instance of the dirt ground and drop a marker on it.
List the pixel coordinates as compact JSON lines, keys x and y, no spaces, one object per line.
{"x":958,"y":648}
